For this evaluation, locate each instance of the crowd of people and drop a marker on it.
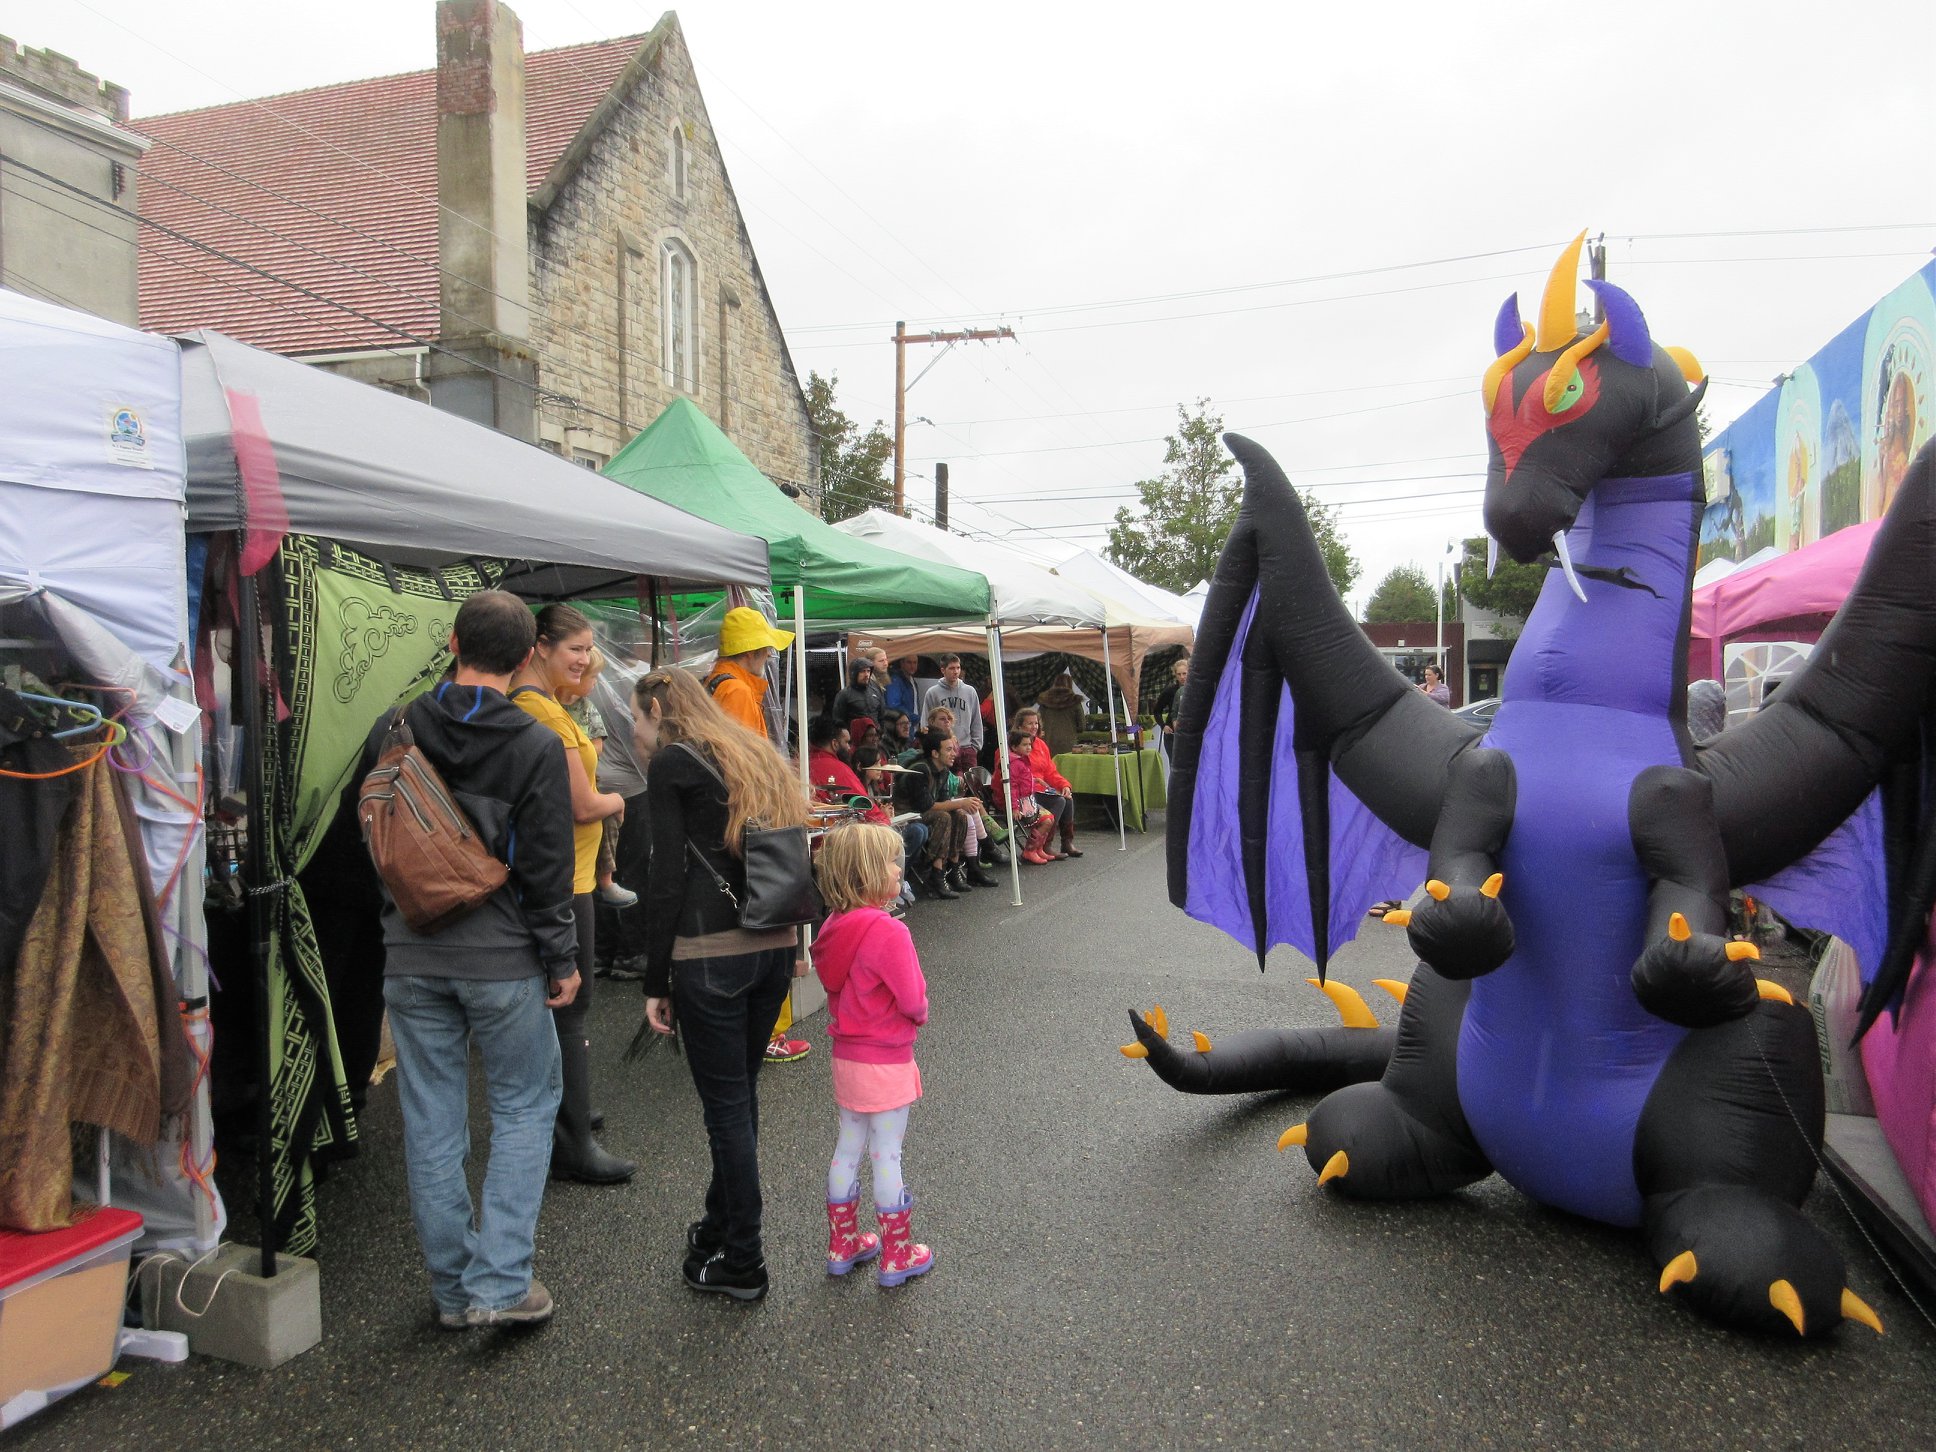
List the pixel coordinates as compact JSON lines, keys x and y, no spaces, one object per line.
{"x":915,"y":797}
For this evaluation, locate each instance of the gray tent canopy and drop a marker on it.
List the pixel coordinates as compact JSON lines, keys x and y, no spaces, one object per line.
{"x":410,"y":484}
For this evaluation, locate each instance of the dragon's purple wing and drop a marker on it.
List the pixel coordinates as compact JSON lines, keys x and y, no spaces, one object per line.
{"x":1839,"y":888}
{"x":1367,"y":861}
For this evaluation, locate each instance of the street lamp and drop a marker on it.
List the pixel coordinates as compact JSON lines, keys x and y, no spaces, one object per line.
{"x":1439,"y":602}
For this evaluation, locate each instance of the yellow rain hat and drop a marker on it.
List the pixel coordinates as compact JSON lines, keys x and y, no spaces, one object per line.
{"x":746,"y":629}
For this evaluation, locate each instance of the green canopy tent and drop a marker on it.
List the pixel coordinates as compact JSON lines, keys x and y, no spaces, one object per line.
{"x":683,"y":459}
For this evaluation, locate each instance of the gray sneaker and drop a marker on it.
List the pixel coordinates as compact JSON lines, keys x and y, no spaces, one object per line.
{"x":534,"y":1310}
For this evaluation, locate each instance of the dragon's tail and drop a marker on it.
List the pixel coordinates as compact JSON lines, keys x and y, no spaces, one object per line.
{"x":1299,"y":1060}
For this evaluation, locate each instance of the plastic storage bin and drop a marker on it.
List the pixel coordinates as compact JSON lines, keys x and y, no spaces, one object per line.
{"x":61,"y":1294}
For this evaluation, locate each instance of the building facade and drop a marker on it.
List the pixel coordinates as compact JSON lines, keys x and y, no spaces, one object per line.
{"x":548,"y":243}
{"x":68,"y":185}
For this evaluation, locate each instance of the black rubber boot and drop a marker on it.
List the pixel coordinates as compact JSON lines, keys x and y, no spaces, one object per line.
{"x":938,"y":885}
{"x":958,"y":879}
{"x":981,"y":877}
{"x":575,"y":1155}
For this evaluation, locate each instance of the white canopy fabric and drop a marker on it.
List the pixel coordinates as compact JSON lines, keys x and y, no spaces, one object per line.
{"x":1097,"y":575}
{"x":91,"y":559}
{"x":414,"y":485}
{"x":1021,"y":592}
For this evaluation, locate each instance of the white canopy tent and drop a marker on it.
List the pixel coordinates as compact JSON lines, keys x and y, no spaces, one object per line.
{"x":1099,"y":576}
{"x":1040,"y":609}
{"x":92,"y":497}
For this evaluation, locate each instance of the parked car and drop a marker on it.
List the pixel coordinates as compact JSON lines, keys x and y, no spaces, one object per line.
{"x":1479,"y":712}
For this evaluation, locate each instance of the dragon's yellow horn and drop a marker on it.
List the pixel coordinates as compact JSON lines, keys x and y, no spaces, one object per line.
{"x":1557,"y":320}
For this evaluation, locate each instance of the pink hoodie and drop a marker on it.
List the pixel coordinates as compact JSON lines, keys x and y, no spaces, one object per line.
{"x":876,"y":995}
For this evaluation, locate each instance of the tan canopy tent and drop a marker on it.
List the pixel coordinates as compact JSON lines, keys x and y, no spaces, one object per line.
{"x":1123,"y":657}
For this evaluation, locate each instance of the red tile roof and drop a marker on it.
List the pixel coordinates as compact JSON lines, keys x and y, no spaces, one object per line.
{"x":355,"y":218}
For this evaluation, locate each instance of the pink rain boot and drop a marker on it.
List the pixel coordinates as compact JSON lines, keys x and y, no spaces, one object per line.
{"x":901,"y":1258}
{"x":847,"y":1247}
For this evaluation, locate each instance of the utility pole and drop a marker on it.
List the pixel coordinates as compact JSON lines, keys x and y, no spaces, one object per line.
{"x":1596,"y":266}
{"x":902,"y":337}
{"x":941,"y":496}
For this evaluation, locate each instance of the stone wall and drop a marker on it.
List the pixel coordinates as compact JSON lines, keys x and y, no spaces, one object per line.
{"x":598,"y":278}
{"x":67,"y":228}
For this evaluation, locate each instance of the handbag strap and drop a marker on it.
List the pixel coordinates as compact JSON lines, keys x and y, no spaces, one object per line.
{"x":692,"y":847}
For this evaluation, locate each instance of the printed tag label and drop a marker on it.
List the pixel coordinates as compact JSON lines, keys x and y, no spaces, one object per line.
{"x":127,"y":437}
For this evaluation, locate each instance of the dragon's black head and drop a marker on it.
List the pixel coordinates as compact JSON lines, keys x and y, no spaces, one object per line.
{"x":1565,"y":410}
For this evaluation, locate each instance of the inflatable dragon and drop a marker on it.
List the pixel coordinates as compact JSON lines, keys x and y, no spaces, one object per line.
{"x":1579,"y":1021}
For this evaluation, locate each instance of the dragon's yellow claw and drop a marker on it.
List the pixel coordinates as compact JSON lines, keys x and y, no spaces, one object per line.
{"x":1677,"y":928}
{"x":1392,"y":986}
{"x":1350,"y":1005}
{"x":1135,"y":1051}
{"x":1158,"y":1020}
{"x":1202,"y":1040}
{"x":1399,"y":917}
{"x":1682,"y":1267}
{"x":1745,"y":952}
{"x":1490,"y":887}
{"x":1782,"y":1297}
{"x":1775,"y":991}
{"x":1854,"y":1308}
{"x":1336,"y":1167}
{"x":1296,"y":1134}
{"x":1439,"y":891}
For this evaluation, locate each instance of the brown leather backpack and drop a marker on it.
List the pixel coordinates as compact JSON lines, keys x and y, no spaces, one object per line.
{"x":424,"y":847}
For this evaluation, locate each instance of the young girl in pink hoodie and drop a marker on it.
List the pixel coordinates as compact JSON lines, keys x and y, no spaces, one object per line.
{"x":877,"y":1000}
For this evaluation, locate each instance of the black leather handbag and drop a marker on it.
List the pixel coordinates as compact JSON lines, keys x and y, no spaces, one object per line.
{"x":779,"y":872}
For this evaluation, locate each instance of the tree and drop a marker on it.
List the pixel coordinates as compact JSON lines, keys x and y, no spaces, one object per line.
{"x":853,"y":465}
{"x":1510,"y":592}
{"x":1403,"y":595}
{"x":1184,"y":514}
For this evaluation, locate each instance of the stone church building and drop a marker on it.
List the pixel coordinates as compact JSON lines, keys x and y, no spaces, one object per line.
{"x":547,"y":243}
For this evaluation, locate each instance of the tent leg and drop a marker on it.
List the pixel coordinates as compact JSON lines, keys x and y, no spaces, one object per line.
{"x":248,"y":690}
{"x":1001,"y":755}
{"x":1115,"y":757}
{"x":798,"y":666}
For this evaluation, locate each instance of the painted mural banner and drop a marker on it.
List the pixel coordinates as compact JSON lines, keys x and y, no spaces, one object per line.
{"x":1830,"y":446}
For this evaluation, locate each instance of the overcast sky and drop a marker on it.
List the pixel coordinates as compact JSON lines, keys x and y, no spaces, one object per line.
{"x":1306,"y":213}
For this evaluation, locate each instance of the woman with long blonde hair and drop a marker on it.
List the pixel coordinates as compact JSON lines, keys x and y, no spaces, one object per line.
{"x":708,"y":780}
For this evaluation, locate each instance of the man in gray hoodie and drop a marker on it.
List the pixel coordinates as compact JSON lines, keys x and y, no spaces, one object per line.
{"x":486,"y":982}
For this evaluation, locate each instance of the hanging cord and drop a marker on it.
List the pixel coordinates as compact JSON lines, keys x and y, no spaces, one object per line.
{"x":175,"y":1257}
{"x":1828,"y":1175}
{"x":201,"y":1176}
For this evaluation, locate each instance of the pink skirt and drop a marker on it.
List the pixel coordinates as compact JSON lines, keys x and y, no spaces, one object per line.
{"x":870,"y":1088}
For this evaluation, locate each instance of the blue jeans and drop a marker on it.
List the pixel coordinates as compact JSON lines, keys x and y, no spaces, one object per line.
{"x":482,"y":1260}
{"x":726,"y":1008}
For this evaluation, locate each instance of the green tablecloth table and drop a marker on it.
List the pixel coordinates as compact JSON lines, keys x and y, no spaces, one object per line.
{"x":1143,"y":788}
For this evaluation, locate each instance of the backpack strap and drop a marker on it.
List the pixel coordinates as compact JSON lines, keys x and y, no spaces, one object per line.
{"x":714,"y":681}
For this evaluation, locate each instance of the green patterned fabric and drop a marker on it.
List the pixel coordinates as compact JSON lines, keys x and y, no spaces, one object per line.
{"x":351,"y":637}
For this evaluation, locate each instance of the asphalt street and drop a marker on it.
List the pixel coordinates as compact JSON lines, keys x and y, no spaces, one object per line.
{"x":1118,"y":1265}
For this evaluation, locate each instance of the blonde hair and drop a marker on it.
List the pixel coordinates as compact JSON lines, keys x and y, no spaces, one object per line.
{"x":935,"y":716}
{"x":759,"y":787}
{"x":855,"y":865}
{"x":594,"y":663}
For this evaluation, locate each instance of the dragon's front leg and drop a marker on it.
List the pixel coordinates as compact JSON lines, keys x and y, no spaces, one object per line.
{"x":1461,"y":927}
{"x":1688,"y":973}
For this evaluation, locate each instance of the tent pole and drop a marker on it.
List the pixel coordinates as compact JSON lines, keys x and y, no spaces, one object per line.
{"x":248,"y":690}
{"x":1115,"y":756}
{"x":1001,"y":755}
{"x":800,"y":682}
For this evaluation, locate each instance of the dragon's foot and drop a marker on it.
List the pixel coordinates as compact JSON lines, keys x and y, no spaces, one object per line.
{"x":1464,"y":932}
{"x":1747,"y":1260}
{"x":1697,"y":980}
{"x":1363,"y":1141}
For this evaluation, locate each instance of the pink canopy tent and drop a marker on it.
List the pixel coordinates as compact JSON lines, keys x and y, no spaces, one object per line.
{"x":1791,"y":597}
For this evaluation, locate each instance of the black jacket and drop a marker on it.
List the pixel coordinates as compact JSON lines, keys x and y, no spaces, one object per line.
{"x":508,"y":773}
{"x":682,"y":898}
{"x":868,"y":700}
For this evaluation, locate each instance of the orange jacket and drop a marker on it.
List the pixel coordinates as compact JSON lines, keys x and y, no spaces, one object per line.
{"x":740,"y":694}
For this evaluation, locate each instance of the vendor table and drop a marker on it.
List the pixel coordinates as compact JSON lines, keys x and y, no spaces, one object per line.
{"x":1091,"y":774}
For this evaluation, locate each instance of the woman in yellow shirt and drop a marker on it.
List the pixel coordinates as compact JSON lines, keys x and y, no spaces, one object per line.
{"x":558,"y":663}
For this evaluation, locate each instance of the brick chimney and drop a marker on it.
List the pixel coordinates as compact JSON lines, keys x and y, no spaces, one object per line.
{"x":481,"y":228}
